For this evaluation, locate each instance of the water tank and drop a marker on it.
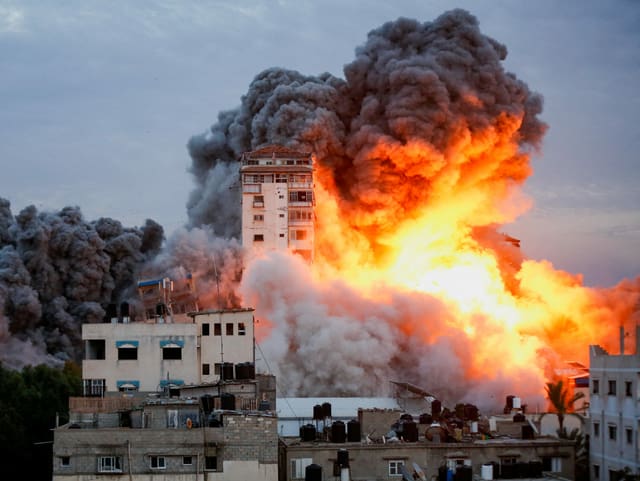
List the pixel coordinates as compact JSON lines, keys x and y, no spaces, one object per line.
{"x":487,"y":472}
{"x":471,"y":412}
{"x":406,"y":417}
{"x":410,"y":431}
{"x":535,"y":469}
{"x":442,"y":473}
{"x":317,"y":413}
{"x":464,"y":473}
{"x":227,"y":401}
{"x":207,"y":403}
{"x":308,"y":432}
{"x":326,"y":410}
{"x":160,"y":309}
{"x":519,"y":418}
{"x":110,"y":312}
{"x":436,"y":407}
{"x":343,"y":458}
{"x":425,"y":418}
{"x":527,"y":432}
{"x":124,"y":309}
{"x":516,"y":402}
{"x":474,"y":427}
{"x":338,"y":432}
{"x":227,"y":371}
{"x":251,"y":370}
{"x":241,"y":370}
{"x":313,"y":472}
{"x":353,"y":431}
{"x":509,"y":401}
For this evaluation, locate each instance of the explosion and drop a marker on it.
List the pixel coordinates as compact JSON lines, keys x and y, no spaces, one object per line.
{"x":420,"y":155}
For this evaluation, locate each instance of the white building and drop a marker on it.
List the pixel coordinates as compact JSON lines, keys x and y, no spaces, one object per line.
{"x":151,"y":356}
{"x":614,"y":411}
{"x":277,"y":201}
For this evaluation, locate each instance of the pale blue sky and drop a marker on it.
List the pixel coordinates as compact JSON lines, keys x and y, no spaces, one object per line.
{"x":98,"y":100}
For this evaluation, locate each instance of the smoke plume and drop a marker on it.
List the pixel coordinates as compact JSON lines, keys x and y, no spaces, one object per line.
{"x":420,"y":152}
{"x":58,"y":271}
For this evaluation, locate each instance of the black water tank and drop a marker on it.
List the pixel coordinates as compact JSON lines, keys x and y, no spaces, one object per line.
{"x":338,"y":432}
{"x":227,"y":401}
{"x":308,"y":432}
{"x":124,"y":309}
{"x":442,"y":473}
{"x":326,"y":410}
{"x":207,"y":403}
{"x":343,"y":458}
{"x":160,"y":309}
{"x":535,"y":469}
{"x":519,"y":418}
{"x":471,"y":412}
{"x":313,"y":472}
{"x":110,"y":312}
{"x":436,"y":407}
{"x":241,"y":370}
{"x":353,"y":431}
{"x":510,"y":401}
{"x":425,"y":418}
{"x":406,"y":417}
{"x":227,"y":371}
{"x":251,"y":370}
{"x":317,"y":413}
{"x":410,"y":431}
{"x":463,"y":473}
{"x":527,"y":432}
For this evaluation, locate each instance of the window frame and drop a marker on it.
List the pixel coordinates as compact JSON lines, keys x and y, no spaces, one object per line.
{"x":394,"y":467}
{"x":612,"y":430}
{"x":114,"y":465}
{"x":299,"y":466}
{"x":172,"y":353}
{"x":131,"y":353}
{"x":596,"y":429}
{"x":159,"y":461}
{"x":184,"y":460}
{"x":208,"y":460}
{"x":628,"y":434}
{"x":228,"y":329}
{"x":613,"y":387}
{"x":206,"y":369}
{"x":595,"y":386}
{"x":65,"y":461}
{"x":242,"y":330}
{"x":206,"y":329}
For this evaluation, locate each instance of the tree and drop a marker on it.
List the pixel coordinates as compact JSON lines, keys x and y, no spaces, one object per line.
{"x":562,"y":401}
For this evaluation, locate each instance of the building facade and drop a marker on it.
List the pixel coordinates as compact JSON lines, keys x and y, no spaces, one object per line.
{"x":152,"y":356}
{"x":277,"y":201}
{"x":614,"y":411}
{"x":164,"y":439}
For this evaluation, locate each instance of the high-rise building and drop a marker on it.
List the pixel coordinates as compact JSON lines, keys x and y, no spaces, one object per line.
{"x":277,"y":201}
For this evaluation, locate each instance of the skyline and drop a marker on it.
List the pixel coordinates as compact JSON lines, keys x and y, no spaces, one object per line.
{"x":100,"y":103}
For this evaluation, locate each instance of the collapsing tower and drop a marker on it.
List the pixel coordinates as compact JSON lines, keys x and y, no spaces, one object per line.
{"x":277,"y":201}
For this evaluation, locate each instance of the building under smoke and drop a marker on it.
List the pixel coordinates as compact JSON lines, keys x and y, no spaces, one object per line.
{"x":277,"y":201}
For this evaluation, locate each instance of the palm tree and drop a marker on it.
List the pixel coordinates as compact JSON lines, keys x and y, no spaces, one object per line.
{"x":562,"y":400}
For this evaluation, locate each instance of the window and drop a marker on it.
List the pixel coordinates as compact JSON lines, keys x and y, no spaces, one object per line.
{"x":172,"y":418}
{"x":627,"y":388}
{"x":94,"y":387}
{"x":596,"y":471}
{"x":65,"y":461}
{"x":300,"y":214}
{"x":229,"y":330}
{"x":258,"y":218}
{"x":127,"y":353}
{"x":258,"y":200}
{"x":596,"y":430}
{"x":94,"y":349}
{"x":211,"y":463}
{"x":187,"y":460}
{"x":281,"y":216}
{"x":281,"y":178}
{"x":251,"y":188}
{"x":298,"y":234}
{"x":258,"y":237}
{"x":612,"y":388}
{"x":109,"y":464}
{"x":613,"y":432}
{"x":205,"y":328}
{"x":552,"y":464}
{"x":241,"y":329}
{"x":629,"y":435}
{"x":300,"y":196}
{"x":281,"y":235}
{"x":158,"y":462}
{"x":508,"y":460}
{"x":171,"y":353}
{"x":299,"y":466}
{"x":217,"y":329}
{"x":395,"y":467}
{"x":595,"y":386}
{"x":205,"y":369}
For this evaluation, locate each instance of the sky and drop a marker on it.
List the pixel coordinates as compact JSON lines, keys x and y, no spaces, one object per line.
{"x":98,"y":100}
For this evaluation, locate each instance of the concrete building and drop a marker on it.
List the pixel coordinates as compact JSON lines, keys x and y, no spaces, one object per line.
{"x":614,"y":411}
{"x":154,"y":355}
{"x":426,"y":448}
{"x":277,"y":201}
{"x":164,"y":439}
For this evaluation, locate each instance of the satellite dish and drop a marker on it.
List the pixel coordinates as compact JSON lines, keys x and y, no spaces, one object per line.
{"x":419,"y":472}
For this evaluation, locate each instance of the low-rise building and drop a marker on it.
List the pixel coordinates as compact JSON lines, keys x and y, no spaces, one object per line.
{"x":614,"y":411}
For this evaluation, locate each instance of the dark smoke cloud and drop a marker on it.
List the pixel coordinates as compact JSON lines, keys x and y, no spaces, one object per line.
{"x":436,"y":83}
{"x":58,"y":271}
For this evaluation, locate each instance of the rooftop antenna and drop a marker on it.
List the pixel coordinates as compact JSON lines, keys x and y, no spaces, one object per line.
{"x":215,"y":271}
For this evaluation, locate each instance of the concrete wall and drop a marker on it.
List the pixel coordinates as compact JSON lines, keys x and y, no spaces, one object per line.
{"x":244,"y":445}
{"x":371,"y":462}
